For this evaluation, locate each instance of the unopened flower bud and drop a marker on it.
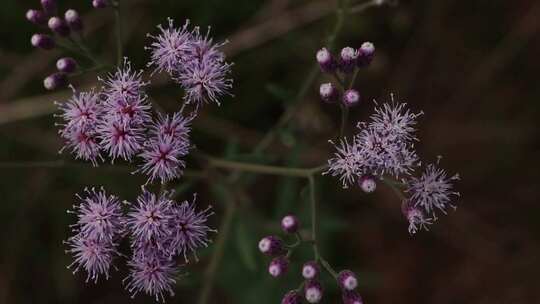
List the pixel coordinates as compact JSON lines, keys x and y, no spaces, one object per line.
{"x":347,"y":61}
{"x":66,"y":65}
{"x":278,"y":266}
{"x":49,"y":6}
{"x":365,"y":54}
{"x":290,"y":224}
{"x":99,"y":3}
{"x":291,"y":297}
{"x":313,"y":291}
{"x":271,"y":246}
{"x":367,"y":183}
{"x":42,"y":41}
{"x":59,"y":26}
{"x":326,"y":61}
{"x":310,"y":270}
{"x":36,"y":17}
{"x":351,"y":97}
{"x":328,"y":92}
{"x":347,"y":280}
{"x":351,"y":297}
{"x":73,"y":20}
{"x":55,"y":81}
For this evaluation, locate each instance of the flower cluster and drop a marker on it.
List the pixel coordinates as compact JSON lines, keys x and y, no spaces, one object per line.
{"x":158,"y":228}
{"x":61,"y":31}
{"x":349,"y":62}
{"x":383,"y":149}
{"x":311,"y":288}
{"x":193,"y":60}
{"x":117,"y":122}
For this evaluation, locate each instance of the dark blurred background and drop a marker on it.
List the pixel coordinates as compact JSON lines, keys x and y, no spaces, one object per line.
{"x":471,"y":66}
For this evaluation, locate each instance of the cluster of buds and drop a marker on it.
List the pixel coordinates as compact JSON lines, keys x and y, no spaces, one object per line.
{"x":311,"y":289}
{"x":349,"y":61}
{"x":59,"y":28}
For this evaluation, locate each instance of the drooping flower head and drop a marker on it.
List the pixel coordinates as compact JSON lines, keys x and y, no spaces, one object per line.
{"x":93,"y":255}
{"x":170,"y":47}
{"x":190,"y":228}
{"x":149,"y":219}
{"x":432,"y":190}
{"x":99,"y":216}
{"x":154,"y":275}
{"x":416,"y":217}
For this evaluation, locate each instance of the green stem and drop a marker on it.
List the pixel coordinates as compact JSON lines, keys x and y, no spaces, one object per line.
{"x":394,"y":186}
{"x":329,"y":268}
{"x":263,"y":169}
{"x":344,"y":118}
{"x":313,"y":201}
{"x":118,"y":25}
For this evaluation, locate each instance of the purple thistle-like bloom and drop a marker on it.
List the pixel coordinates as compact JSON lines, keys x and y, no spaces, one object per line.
{"x":120,"y":139}
{"x":93,"y":255}
{"x":82,"y":141}
{"x":153,"y":275}
{"x":133,"y":110}
{"x":149,"y":220}
{"x":432,"y":190}
{"x":189,"y":228}
{"x":99,"y":215}
{"x":384,"y":146}
{"x":176,"y":126}
{"x":162,"y":158}
{"x":204,"y":81}
{"x":82,"y":109}
{"x":169,"y":49}
{"x":124,"y":83}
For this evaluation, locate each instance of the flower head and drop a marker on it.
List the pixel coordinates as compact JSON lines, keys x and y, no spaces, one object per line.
{"x":176,"y":126}
{"x":83,"y":143}
{"x":124,"y":83}
{"x":93,"y":255}
{"x":129,"y":109}
{"x":170,"y":47}
{"x":153,"y":275}
{"x":432,"y":190}
{"x":149,"y":219}
{"x":162,"y":158}
{"x":189,"y":228}
{"x":416,"y":217}
{"x":120,"y":139}
{"x":83,"y":108}
{"x":99,"y":216}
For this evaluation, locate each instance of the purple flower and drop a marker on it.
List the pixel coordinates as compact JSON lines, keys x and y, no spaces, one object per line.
{"x":367,"y":183}
{"x":99,"y":215}
{"x":42,"y":41}
{"x":93,"y":255}
{"x":432,"y":190}
{"x":124,"y":83}
{"x":176,"y":126}
{"x":82,"y":141}
{"x":133,"y":110}
{"x":82,"y":109}
{"x":120,"y":139}
{"x":55,"y":81}
{"x":347,"y":61}
{"x":326,"y":61}
{"x":73,"y":20}
{"x":169,"y":48}
{"x":205,"y":80}
{"x":416,"y":217}
{"x":189,"y":228}
{"x":384,"y":146}
{"x":162,"y":158}
{"x":66,"y":65}
{"x":58,"y":26}
{"x":36,"y":16}
{"x":149,"y":219}
{"x":154,"y":275}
